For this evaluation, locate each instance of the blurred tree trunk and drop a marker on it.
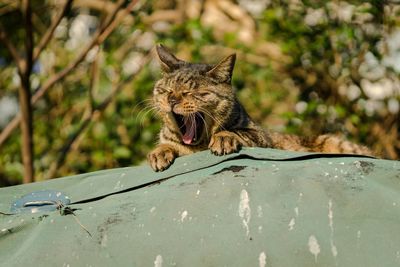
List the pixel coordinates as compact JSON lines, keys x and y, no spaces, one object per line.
{"x":25,"y":96}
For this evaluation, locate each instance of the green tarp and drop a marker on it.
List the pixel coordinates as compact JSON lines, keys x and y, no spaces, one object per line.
{"x":260,"y":207}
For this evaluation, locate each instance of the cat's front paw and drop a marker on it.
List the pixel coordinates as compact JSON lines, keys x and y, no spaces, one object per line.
{"x":223,"y":143}
{"x":161,"y":157}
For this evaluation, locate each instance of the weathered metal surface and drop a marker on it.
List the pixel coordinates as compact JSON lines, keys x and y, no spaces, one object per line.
{"x":262,"y":207}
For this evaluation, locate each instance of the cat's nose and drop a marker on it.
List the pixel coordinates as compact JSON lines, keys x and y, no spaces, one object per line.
{"x":173,"y":100}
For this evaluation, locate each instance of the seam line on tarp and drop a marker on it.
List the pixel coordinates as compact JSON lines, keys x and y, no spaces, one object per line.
{"x":236,"y":157}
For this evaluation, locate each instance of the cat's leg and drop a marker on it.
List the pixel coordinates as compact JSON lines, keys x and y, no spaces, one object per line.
{"x":223,"y":143}
{"x":162,"y":157}
{"x":227,"y":142}
{"x":334,"y":144}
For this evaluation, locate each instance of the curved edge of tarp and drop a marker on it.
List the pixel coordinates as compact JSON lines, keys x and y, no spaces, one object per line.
{"x":247,"y":153}
{"x":132,"y":178}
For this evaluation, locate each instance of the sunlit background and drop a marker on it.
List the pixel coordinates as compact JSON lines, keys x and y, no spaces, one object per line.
{"x":303,"y":67}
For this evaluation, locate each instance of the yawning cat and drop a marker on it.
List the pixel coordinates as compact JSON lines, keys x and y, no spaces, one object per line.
{"x":200,"y":111}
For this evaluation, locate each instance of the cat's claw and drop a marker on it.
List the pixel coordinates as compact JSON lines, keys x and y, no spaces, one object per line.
{"x":161,"y":158}
{"x":224,"y":143}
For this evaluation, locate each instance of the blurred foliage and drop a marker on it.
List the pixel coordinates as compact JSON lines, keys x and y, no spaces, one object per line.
{"x":304,"y":67}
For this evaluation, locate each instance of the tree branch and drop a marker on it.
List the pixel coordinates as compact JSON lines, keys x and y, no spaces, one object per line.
{"x":11,"y":48}
{"x":49,"y":33}
{"x":88,"y":117}
{"x":101,"y":34}
{"x":25,"y":96}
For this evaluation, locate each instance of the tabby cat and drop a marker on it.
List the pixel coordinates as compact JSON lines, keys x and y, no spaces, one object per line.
{"x":200,"y":111}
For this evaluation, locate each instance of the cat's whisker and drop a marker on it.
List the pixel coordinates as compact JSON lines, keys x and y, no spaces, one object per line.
{"x":147,"y":102}
{"x":148,"y":105}
{"x":205,"y":125}
{"x":215,"y":119}
{"x":140,"y":117}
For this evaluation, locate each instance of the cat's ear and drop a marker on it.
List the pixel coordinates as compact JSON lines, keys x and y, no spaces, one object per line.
{"x":223,"y":70}
{"x":167,"y":60}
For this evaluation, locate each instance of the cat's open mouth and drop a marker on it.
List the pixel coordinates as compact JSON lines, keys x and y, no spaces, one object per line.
{"x":190,"y":126}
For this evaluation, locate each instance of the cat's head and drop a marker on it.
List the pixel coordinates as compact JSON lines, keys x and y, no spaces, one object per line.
{"x":193,"y":99}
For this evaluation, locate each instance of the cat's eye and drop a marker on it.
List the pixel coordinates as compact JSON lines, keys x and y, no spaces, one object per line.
{"x":204,"y":94}
{"x":161,"y":90}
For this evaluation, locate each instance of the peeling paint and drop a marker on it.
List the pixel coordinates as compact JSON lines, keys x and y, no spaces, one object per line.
{"x":314,"y":246}
{"x":262,"y":259}
{"x":244,"y":210}
{"x":158,"y":262}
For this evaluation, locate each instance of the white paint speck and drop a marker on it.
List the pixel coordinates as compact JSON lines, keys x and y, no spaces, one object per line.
{"x":330,"y":217}
{"x":260,"y":229}
{"x":184,"y":215}
{"x":104,"y":240}
{"x":158,"y":261}
{"x":262,"y":259}
{"x":330,"y":214}
{"x":244,"y":210}
{"x":198,"y":192}
{"x":152,"y":209}
{"x":58,"y":194}
{"x":4,"y":230}
{"x":259,"y":211}
{"x":34,"y":210}
{"x":296,"y":211}
{"x":118,"y":185}
{"x":300,"y":197}
{"x":333,"y":249}
{"x":314,"y":246}
{"x":291,"y":224}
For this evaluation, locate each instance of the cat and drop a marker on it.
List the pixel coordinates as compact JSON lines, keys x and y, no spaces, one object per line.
{"x":200,"y":111}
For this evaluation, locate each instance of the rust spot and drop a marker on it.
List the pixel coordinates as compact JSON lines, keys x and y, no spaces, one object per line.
{"x":233,"y":168}
{"x":366,"y":167}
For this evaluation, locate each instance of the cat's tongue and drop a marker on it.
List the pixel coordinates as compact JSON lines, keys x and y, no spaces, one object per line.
{"x":190,"y":129}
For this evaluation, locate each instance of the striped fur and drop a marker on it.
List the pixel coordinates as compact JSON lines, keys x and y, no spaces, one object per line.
{"x":200,"y":111}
